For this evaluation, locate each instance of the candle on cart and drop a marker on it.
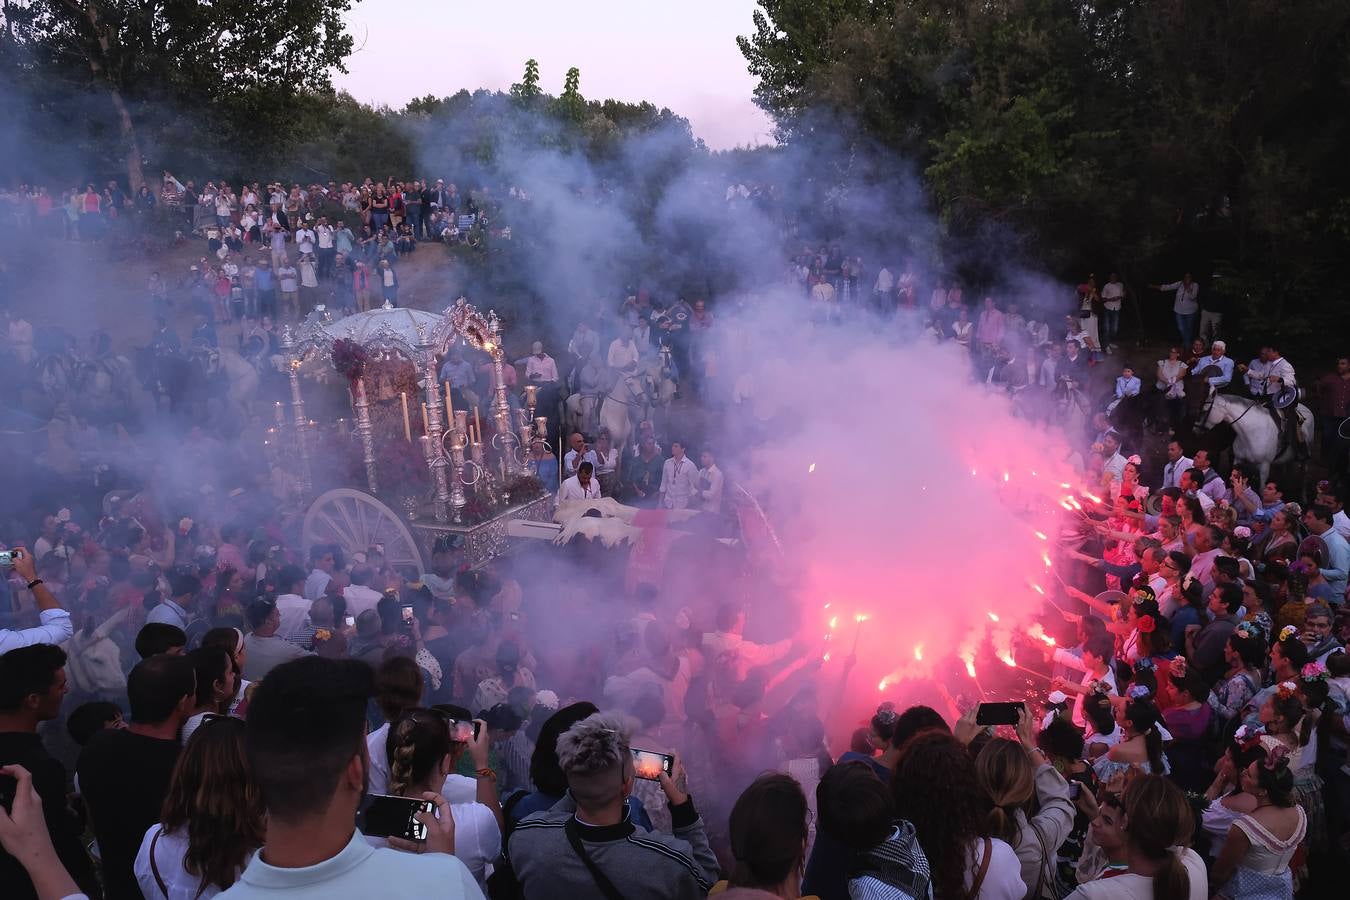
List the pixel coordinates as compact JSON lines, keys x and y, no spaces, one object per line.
{"x":461,"y":428}
{"x":449,"y":405}
{"x":426,"y":423}
{"x":280,"y":413}
{"x":476,"y":452}
{"x":477,"y":425}
{"x":426,"y":446}
{"x":407,"y":426}
{"x":351,"y":398}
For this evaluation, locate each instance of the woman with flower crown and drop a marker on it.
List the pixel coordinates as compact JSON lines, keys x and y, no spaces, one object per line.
{"x":1256,"y":857}
{"x":1286,"y":721}
{"x":1142,"y":747}
{"x":1244,"y":654}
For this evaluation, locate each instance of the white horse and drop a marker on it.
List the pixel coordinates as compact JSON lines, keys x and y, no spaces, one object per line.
{"x":242,"y":379}
{"x":660,"y":375}
{"x":94,"y":661}
{"x":1257,"y":439}
{"x":628,"y":403}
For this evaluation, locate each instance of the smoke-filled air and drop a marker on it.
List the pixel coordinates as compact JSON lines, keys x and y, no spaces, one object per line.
{"x":760,"y":449}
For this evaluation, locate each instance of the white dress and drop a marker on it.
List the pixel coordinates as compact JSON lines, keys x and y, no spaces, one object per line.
{"x":1140,"y":887}
{"x":1264,"y":870}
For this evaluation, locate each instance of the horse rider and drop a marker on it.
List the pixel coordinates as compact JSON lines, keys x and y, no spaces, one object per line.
{"x":1281,"y":390}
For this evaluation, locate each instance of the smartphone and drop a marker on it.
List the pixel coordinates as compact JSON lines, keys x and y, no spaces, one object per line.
{"x":407,"y":616}
{"x":648,"y":764}
{"x":464,"y":731}
{"x":7,"y":558}
{"x":386,"y":816}
{"x":1003,"y":713}
{"x":351,"y":621}
{"x":1074,"y":788}
{"x":9,"y":788}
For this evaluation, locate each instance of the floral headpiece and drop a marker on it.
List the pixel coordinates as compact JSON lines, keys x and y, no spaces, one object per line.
{"x":1250,"y":630}
{"x":1139,"y":692}
{"x":1285,"y":689}
{"x":1242,"y":531}
{"x":1146,"y":625}
{"x":1145,"y":664}
{"x":1249,"y":736}
{"x":886,"y":713}
{"x":1277,"y":754}
{"x":1100,"y":687}
{"x":1315,"y":671}
{"x":1134,"y":460}
{"x":1287,"y":632}
{"x":1187,"y":580}
{"x":1142,"y":594}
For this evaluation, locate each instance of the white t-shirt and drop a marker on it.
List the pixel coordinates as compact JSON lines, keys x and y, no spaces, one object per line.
{"x":1003,"y":879}
{"x":325,"y":235}
{"x":304,"y":240}
{"x":170,"y":850}
{"x":1112,"y":292}
{"x":1140,"y":887}
{"x":478,"y":839}
{"x":360,"y":870}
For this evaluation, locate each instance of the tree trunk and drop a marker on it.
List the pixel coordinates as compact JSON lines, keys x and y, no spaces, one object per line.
{"x":130,"y":142}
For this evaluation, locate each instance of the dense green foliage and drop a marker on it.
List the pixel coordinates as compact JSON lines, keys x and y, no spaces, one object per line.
{"x":1145,"y":135}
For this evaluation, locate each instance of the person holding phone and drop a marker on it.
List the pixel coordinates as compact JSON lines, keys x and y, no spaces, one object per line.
{"x":306,"y":747}
{"x":424,"y":746}
{"x":56,"y":627}
{"x":586,"y":846}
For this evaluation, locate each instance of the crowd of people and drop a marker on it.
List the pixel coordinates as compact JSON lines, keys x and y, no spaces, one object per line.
{"x":193,"y":703}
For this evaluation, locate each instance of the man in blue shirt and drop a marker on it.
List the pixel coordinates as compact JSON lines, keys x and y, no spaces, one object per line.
{"x":1217,"y":357}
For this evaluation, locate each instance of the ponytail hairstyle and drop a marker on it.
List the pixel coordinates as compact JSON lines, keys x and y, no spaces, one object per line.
{"x":1288,"y":705}
{"x":417,"y":743}
{"x":1157,"y":819}
{"x":1099,"y":712}
{"x":1273,"y":774}
{"x":1143,"y":718}
{"x":1145,"y":676}
{"x":1004,"y":772}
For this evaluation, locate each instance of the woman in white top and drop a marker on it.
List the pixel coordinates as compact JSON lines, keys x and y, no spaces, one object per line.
{"x":1012,"y":774}
{"x":215,"y":687}
{"x":422,"y":753}
{"x":1255,"y":858}
{"x":1171,"y":384}
{"x":934,"y":788}
{"x":1158,"y":823}
{"x":213,"y":819}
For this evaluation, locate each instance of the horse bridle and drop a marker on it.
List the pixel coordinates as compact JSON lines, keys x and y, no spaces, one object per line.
{"x":1208,"y":405}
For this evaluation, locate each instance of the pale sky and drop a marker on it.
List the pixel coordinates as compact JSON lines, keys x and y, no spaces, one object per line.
{"x":680,"y":55}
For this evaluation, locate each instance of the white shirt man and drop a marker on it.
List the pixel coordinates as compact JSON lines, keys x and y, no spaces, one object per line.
{"x":294,"y":609}
{"x":885,"y":282}
{"x":575,"y":488}
{"x":1112,"y":294}
{"x":540,"y":368}
{"x":623,"y":354}
{"x":1177,"y":462}
{"x":324,"y":233}
{"x":571,"y":461}
{"x":1279,"y":374}
{"x":679,"y":479}
{"x":304,"y":239}
{"x":359,"y":598}
{"x":710,"y":483}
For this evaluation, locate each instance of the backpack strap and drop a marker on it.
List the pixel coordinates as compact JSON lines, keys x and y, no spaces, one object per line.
{"x":984,"y":868}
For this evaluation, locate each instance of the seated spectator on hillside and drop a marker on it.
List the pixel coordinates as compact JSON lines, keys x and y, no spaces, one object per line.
{"x":595,"y":757}
{"x":124,"y":773}
{"x":306,"y":747}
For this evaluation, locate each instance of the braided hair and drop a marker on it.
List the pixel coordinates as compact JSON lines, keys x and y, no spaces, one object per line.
{"x":416,"y":744}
